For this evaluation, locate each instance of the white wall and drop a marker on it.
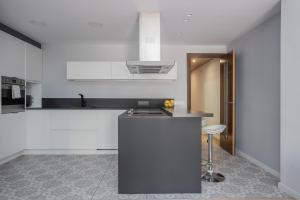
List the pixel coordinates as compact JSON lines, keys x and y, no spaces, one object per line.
{"x":57,"y":54}
{"x":290,"y":97}
{"x":205,"y":90}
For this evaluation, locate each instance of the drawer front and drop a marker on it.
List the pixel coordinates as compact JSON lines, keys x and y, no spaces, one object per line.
{"x":73,"y":120}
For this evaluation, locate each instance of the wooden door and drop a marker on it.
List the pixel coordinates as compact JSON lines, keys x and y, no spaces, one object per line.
{"x":228,"y":102}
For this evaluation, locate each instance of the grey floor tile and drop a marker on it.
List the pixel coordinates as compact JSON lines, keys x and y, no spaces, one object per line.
{"x":86,"y":177}
{"x":111,"y":193}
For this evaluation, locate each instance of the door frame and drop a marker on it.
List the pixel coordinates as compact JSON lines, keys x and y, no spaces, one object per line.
{"x":190,"y":56}
{"x":189,"y":71}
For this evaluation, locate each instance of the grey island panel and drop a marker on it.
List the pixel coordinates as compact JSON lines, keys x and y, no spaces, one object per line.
{"x":159,"y":155}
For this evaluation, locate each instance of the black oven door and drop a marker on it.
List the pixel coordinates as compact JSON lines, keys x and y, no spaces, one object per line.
{"x":10,"y":105}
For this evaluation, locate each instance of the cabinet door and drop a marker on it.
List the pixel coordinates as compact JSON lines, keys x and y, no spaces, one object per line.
{"x":12,"y":56}
{"x":114,"y":136}
{"x":12,"y":134}
{"x":61,"y":129}
{"x":34,"y":63}
{"x":37,"y":129}
{"x":108,"y":130}
{"x":120,"y":71}
{"x":88,"y":70}
{"x":73,"y":129}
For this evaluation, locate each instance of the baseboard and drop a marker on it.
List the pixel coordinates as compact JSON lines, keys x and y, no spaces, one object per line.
{"x":11,"y":157}
{"x":258,"y":163}
{"x":288,"y":190}
{"x":68,"y":151}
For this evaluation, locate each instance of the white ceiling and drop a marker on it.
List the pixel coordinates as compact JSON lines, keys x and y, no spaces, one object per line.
{"x":214,"y":22}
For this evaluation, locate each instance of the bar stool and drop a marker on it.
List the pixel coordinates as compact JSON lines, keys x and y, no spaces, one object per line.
{"x":203,"y":124}
{"x":210,"y":175}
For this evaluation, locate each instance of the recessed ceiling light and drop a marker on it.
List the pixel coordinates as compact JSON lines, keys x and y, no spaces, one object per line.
{"x":194,"y":60}
{"x":222,"y":61}
{"x":95,"y":24}
{"x":189,"y":15}
{"x":38,"y":23}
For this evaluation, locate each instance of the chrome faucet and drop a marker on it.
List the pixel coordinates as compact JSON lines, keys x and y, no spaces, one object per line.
{"x":83,"y":101}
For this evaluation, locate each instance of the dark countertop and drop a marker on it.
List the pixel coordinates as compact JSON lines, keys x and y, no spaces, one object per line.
{"x":77,"y":108}
{"x":183,"y":112}
{"x":163,"y":115}
{"x":172,"y":112}
{"x":98,"y":103}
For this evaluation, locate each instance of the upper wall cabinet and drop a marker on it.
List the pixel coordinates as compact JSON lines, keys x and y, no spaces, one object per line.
{"x":88,"y":70}
{"x":12,"y":59}
{"x":111,"y":71}
{"x":34,"y":63}
{"x":120,"y":71}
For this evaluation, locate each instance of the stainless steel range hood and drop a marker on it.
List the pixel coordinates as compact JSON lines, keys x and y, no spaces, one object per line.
{"x":149,"y":47}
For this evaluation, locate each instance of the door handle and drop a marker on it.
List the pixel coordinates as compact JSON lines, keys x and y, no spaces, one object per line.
{"x":231,"y":102}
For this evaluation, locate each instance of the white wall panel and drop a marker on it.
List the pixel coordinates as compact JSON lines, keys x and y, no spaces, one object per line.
{"x":290,"y":98}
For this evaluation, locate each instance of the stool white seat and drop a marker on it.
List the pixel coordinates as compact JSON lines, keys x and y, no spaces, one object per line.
{"x":210,"y":130}
{"x":214,"y":129}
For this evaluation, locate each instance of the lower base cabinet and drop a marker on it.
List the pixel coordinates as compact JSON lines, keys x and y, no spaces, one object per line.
{"x":12,"y":134}
{"x":108,"y":130}
{"x":72,"y":129}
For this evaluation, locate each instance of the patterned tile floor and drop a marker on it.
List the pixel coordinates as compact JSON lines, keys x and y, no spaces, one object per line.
{"x":94,"y":177}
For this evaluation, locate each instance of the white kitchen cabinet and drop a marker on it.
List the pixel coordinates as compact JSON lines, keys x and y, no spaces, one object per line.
{"x":73,"y":120}
{"x":37,"y":129}
{"x":108,"y":131}
{"x":88,"y":70}
{"x":12,"y":56}
{"x":111,"y":71}
{"x":172,"y":75}
{"x":61,"y":129}
{"x":34,"y":63}
{"x":120,"y":71}
{"x":12,"y":134}
{"x":72,"y":129}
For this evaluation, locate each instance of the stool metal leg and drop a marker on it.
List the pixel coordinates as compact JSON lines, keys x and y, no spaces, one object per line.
{"x":210,"y":155}
{"x":210,"y":175}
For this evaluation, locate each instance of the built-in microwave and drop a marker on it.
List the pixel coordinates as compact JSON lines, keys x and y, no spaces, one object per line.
{"x":12,"y":95}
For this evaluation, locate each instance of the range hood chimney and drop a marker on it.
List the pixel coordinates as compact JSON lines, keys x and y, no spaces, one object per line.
{"x":149,"y":47}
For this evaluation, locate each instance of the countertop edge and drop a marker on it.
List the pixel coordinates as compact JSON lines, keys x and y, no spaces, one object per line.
{"x":172,"y":112}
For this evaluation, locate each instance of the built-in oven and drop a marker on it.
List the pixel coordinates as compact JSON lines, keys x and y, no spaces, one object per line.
{"x":12,"y":95}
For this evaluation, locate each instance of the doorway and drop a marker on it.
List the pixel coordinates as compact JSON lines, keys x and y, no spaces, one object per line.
{"x":211,"y":88}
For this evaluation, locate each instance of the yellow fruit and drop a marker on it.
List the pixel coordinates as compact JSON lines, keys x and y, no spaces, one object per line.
{"x":172,"y":102}
{"x":167,"y":103}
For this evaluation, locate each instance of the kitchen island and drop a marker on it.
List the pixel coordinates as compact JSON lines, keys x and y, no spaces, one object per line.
{"x":160,"y":153}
